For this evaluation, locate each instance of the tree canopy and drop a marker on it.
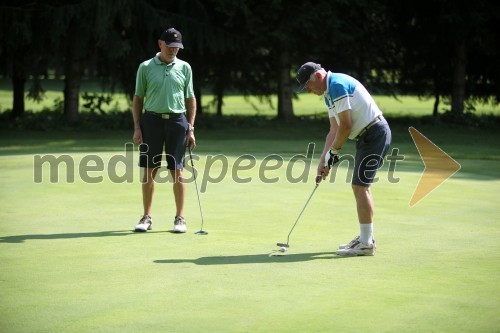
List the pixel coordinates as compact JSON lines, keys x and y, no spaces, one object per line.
{"x":442,"y":49}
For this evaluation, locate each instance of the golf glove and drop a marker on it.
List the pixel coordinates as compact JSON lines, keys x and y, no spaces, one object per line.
{"x":331,"y":158}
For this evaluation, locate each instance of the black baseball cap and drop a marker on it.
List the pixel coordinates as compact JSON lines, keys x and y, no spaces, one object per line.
{"x":172,"y":38}
{"x":304,"y":73}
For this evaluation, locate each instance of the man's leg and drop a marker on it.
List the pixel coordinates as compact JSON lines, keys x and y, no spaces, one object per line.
{"x":148,"y":187}
{"x":147,"y":198}
{"x":370,"y":152}
{"x":150,"y":152}
{"x":365,"y":208}
{"x":364,"y":203}
{"x":363,"y":245}
{"x":175,"y":147}
{"x":179,"y":191}
{"x":179,"y":194}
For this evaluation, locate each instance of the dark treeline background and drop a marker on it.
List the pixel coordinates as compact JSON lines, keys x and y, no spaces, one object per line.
{"x":445,"y":49}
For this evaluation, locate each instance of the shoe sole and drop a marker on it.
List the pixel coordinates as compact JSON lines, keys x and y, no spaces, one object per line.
{"x":347,"y":254}
{"x":142,"y":230}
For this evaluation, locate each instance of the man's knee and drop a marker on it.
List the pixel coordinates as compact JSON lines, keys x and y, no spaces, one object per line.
{"x":360,"y":189}
{"x":149,"y":174}
{"x":177,"y":175}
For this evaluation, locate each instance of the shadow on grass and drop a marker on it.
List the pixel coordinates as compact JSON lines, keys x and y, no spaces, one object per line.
{"x":253,"y":259}
{"x":23,"y":238}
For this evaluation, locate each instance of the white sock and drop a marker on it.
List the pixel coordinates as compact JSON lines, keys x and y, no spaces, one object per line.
{"x":366,"y":233}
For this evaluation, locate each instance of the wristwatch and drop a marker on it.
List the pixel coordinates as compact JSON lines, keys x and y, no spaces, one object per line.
{"x":190,"y":128}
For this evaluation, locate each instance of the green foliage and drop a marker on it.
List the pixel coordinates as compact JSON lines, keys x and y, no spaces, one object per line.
{"x":36,"y":91}
{"x":471,"y":119}
{"x":48,"y":120}
{"x":94,"y":102}
{"x":392,"y":47}
{"x":53,"y":120}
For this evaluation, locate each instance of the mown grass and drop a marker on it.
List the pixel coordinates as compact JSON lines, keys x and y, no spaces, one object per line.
{"x":70,"y":262}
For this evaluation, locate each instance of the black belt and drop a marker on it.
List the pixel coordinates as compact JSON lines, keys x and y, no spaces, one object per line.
{"x":164,"y":115}
{"x":367,"y":127}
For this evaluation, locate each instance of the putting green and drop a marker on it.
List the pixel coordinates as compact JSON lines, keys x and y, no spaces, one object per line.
{"x":70,"y":262}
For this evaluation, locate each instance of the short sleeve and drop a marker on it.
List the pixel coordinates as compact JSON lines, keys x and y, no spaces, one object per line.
{"x":140,"y":81}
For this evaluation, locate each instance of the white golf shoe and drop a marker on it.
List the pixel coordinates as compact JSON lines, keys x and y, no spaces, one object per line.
{"x":144,"y":224}
{"x":344,"y":246}
{"x":179,"y":225}
{"x":356,"y":248}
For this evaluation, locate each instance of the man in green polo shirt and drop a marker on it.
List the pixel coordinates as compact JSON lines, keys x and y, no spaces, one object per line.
{"x":164,"y":90}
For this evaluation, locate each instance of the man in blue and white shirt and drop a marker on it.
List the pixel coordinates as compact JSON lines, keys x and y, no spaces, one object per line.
{"x":353,"y":115}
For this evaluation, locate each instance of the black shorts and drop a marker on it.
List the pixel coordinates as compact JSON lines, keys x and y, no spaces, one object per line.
{"x":163,"y":135}
{"x":371,"y":149}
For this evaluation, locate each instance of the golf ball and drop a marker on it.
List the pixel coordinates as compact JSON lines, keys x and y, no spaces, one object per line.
{"x":282,"y":249}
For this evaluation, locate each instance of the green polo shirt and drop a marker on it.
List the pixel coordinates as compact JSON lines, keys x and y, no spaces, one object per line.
{"x":164,"y":86}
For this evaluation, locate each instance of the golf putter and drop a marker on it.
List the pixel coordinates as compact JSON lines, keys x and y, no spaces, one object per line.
{"x":286,"y":245}
{"x":201,"y":231}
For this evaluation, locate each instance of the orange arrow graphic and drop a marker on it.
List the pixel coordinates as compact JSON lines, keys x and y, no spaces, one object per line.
{"x":439,"y":166}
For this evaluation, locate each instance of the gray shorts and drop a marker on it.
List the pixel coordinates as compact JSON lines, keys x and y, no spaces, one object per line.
{"x":163,"y":135}
{"x":371,"y":149}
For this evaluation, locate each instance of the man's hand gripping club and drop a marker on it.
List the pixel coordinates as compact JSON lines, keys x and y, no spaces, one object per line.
{"x":331,"y":158}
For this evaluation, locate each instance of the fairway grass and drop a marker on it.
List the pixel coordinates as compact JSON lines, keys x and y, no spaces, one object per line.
{"x":70,"y":262}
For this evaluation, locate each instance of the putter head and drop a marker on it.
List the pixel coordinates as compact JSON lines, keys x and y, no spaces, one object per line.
{"x":283,"y":245}
{"x":201,"y":232}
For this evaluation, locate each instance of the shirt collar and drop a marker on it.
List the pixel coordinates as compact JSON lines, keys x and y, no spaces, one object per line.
{"x":327,"y":83}
{"x":159,"y":62}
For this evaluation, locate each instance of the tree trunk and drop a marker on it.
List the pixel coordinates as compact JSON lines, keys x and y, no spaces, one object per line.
{"x":72,"y":89}
{"x":459,"y":73}
{"x":435,"y":112}
{"x":18,"y":83}
{"x":437,"y":91}
{"x":220,"y":83}
{"x":198,"y":94}
{"x":220,"y":102}
{"x":285,"y":106}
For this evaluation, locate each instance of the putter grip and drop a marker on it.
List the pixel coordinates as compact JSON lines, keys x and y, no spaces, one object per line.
{"x":191,"y":156}
{"x":318,"y":180}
